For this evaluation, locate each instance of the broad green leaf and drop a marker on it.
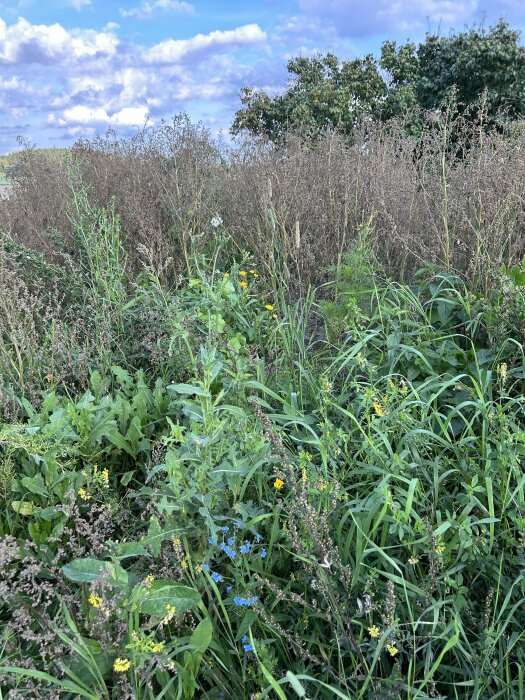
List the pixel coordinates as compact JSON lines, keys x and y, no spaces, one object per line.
{"x":155,"y":599}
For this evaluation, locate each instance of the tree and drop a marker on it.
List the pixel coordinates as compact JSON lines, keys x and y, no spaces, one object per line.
{"x":472,"y":68}
{"x":323,"y":92}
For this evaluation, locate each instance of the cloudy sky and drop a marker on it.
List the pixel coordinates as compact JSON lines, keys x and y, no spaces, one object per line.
{"x":71,"y":68}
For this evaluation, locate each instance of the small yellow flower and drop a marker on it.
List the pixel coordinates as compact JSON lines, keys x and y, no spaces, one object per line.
{"x":170,"y":614}
{"x":440,"y":549}
{"x":226,"y":275}
{"x":176,"y":541}
{"x":269,"y":307}
{"x":243,"y":284}
{"x":413,"y":560}
{"x":157,"y":648}
{"x":105,"y":477}
{"x":84,"y":495}
{"x":374,"y":631}
{"x":274,"y":315}
{"x":122,"y":665}
{"x":148,"y":581}
{"x":392,"y":649}
{"x":252,"y":272}
{"x":95,"y":600}
{"x":243,"y":273}
{"x":184,"y":564}
{"x":378,"y":409}
{"x":49,"y":378}
{"x":278,"y":484}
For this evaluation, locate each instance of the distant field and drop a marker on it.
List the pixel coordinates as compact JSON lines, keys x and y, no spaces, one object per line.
{"x":9,"y":160}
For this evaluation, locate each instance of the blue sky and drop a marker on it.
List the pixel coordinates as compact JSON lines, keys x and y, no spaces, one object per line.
{"x":70,"y":69}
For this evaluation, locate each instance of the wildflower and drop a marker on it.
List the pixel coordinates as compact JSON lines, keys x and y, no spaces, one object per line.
{"x":378,"y":409}
{"x":170,"y":614}
{"x":246,"y":645}
{"x":49,"y":378}
{"x":216,"y":577}
{"x":246,"y":602}
{"x":440,"y":549}
{"x":229,"y":589}
{"x":148,"y":581}
{"x":242,"y":273}
{"x":232,"y":553}
{"x":374,"y":631}
{"x":225,"y":528}
{"x":226,"y":275}
{"x":502,"y":371}
{"x":252,"y":272}
{"x":176,"y":542}
{"x":206,"y":567}
{"x":278,"y":484}
{"x":274,"y":315}
{"x":84,"y":495}
{"x":211,"y":540}
{"x":245,"y":548}
{"x":243,"y":284}
{"x":157,"y":648}
{"x":184,"y":564}
{"x":216,"y":221}
{"x":392,"y":649}
{"x":95,"y":600}
{"x":413,"y":560}
{"x":122,"y":665}
{"x":105,"y":477}
{"x":231,"y":540}
{"x":269,"y":307}
{"x":263,"y":554}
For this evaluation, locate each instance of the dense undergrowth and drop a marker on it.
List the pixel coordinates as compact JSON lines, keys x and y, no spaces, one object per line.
{"x":215,"y":491}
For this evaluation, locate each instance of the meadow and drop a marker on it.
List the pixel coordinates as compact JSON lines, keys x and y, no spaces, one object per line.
{"x":262,"y":417}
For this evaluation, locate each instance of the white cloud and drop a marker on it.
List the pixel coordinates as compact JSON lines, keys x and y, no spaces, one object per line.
{"x":82,"y":115}
{"x":149,"y":8}
{"x":49,"y":43}
{"x":175,"y":50}
{"x":80,"y":4}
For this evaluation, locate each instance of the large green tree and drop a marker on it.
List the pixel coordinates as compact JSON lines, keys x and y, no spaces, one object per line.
{"x":469,"y":68}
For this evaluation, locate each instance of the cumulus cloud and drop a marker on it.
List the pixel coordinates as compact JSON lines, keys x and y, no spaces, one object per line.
{"x":149,"y":8}
{"x":175,"y":50}
{"x":357,"y":19}
{"x":50,"y":43}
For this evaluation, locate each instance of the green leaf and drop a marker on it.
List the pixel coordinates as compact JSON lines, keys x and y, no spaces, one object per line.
{"x":188,"y":389}
{"x":155,"y":599}
{"x":202,"y":635}
{"x":23,"y":507}
{"x":90,"y":570}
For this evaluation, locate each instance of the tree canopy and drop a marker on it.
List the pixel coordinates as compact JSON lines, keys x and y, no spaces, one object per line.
{"x":473,"y":67}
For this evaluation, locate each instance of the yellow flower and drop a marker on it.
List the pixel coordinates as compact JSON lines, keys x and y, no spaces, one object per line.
{"x":243,"y":284}
{"x":413,"y":560}
{"x":374,"y":631}
{"x":392,"y":649}
{"x":242,"y":273}
{"x":184,"y":564}
{"x":226,"y":275}
{"x":170,"y":614}
{"x":378,"y":409}
{"x":278,"y":484}
{"x":148,"y":581}
{"x":122,"y":665}
{"x":176,"y":541}
{"x":84,"y":495}
{"x":95,"y":600}
{"x":440,"y":549}
{"x":158,"y":647}
{"x":268,"y":307}
{"x":274,"y":315}
{"x":252,"y":272}
{"x":105,"y":477}
{"x":49,"y":378}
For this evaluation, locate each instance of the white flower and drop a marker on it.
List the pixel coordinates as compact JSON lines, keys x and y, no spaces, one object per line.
{"x":216,"y":221}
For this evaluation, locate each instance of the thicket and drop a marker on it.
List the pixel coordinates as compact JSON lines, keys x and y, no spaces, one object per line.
{"x":263,"y":422}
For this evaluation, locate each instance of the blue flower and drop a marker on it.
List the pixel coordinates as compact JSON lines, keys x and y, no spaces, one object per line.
{"x":206,"y":567}
{"x":211,"y":540}
{"x":245,"y":548}
{"x":263,"y":554}
{"x":238,"y":524}
{"x":216,"y":577}
{"x":231,"y":540}
{"x":228,"y":589}
{"x":246,"y":602}
{"x":225,"y":528}
{"x":246,"y":645}
{"x":232,"y":553}
{"x":257,"y":537}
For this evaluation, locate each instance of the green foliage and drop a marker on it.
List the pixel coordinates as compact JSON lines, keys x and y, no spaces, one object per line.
{"x":254,"y":503}
{"x":480,"y":72}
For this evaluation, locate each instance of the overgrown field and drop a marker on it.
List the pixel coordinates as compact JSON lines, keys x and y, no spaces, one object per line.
{"x":236,"y":471}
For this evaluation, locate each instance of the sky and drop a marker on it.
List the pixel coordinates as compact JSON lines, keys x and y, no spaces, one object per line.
{"x":71,"y":69}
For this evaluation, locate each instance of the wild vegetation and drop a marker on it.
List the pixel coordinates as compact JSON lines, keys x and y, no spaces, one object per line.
{"x":263,"y":418}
